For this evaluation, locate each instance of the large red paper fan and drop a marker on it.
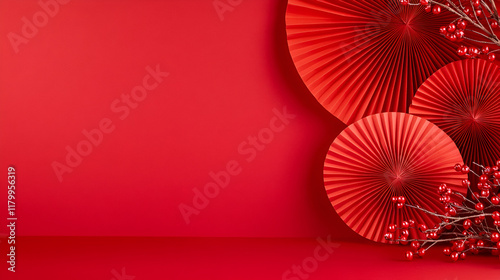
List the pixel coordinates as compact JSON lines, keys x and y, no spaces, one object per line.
{"x":462,"y":98}
{"x":386,"y":155}
{"x":362,"y":57}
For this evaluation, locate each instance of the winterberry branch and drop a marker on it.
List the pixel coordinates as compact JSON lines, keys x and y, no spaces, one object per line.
{"x":467,"y":226}
{"x":482,"y":18}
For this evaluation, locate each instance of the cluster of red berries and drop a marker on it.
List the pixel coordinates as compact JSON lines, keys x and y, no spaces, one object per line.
{"x":481,"y":19}
{"x":489,"y":181}
{"x":470,"y":227}
{"x":400,"y":200}
{"x":436,"y":9}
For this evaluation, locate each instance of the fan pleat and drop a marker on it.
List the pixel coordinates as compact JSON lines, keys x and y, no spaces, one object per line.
{"x":363,"y":57}
{"x":386,"y":155}
{"x":462,"y":99}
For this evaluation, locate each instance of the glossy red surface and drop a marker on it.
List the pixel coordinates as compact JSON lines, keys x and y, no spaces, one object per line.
{"x":235,"y":258}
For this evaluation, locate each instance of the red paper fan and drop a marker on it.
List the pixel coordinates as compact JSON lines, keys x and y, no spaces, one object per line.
{"x":362,"y":57}
{"x":462,"y":99}
{"x":386,"y":155}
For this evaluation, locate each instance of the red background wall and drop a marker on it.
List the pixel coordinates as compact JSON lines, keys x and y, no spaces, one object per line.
{"x":226,"y":77}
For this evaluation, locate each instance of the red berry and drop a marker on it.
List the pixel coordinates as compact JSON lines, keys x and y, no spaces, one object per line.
{"x":389,"y":236}
{"x":454,"y":256}
{"x":415,"y":245}
{"x":491,"y":56}
{"x":487,"y":169}
{"x":409,"y":255}
{"x":465,"y":183}
{"x":405,"y":224}
{"x":462,"y":256}
{"x":403,"y":2}
{"x":447,"y":251}
{"x":465,"y":168}
{"x":452,"y":212}
{"x":400,"y":205}
{"x":411,"y":222}
{"x":441,"y":189}
{"x":461,"y":24}
{"x":460,"y":34}
{"x":485,"y":193}
{"x":480,"y":243}
{"x":405,"y":233}
{"x":495,"y":237}
{"x":451,"y":28}
{"x":428,"y":8}
{"x":474,"y":51}
{"x":442,"y":30}
{"x":458,"y":166}
{"x":475,"y":195}
{"x":403,"y":240}
{"x":436,"y":9}
{"x":495,"y":200}
{"x":483,"y":178}
{"x":394,"y":199}
{"x":467,"y":224}
{"x":424,"y":2}
{"x":392,"y":228}
{"x":477,"y":221}
{"x":479,"y":206}
{"x":479,"y":13}
{"x":433,"y":235}
{"x":421,"y":252}
{"x":496,"y":216}
{"x":496,"y":223}
{"x":422,"y":227}
{"x":476,"y":3}
{"x":401,"y":199}
{"x":494,"y":24}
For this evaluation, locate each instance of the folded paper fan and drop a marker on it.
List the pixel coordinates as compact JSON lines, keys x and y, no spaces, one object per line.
{"x":362,"y":57}
{"x":462,"y":98}
{"x":386,"y":155}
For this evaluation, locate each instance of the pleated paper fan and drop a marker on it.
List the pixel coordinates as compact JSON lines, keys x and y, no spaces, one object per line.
{"x":362,"y":57}
{"x":462,"y":98}
{"x":386,"y":155}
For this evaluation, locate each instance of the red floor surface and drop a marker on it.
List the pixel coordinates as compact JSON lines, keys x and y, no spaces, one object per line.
{"x":231,"y":258}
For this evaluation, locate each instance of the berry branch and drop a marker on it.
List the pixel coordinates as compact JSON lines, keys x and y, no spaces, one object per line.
{"x":471,"y":226}
{"x":476,"y":23}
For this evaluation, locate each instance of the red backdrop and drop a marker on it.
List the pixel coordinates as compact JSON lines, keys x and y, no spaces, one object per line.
{"x":229,"y":74}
